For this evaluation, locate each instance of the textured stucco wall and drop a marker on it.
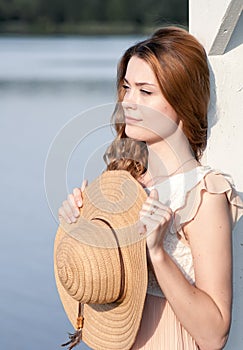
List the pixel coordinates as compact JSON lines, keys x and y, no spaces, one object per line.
{"x":225,"y":145}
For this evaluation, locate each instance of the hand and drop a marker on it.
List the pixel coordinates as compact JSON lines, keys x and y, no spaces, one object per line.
{"x":69,"y":211}
{"x":155,"y":218}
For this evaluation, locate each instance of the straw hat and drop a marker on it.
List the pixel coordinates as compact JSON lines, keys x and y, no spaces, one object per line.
{"x":100,"y":263}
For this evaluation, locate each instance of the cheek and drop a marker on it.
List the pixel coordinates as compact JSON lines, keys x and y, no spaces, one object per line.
{"x":167,"y":110}
{"x":160,"y":124}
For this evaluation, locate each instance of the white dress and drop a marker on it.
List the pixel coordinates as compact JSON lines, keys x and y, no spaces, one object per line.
{"x":160,"y":328}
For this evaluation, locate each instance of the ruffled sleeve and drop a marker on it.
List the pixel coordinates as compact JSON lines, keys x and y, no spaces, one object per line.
{"x":213,"y":182}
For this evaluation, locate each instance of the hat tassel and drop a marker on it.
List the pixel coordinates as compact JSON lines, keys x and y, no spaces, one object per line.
{"x":76,"y":337}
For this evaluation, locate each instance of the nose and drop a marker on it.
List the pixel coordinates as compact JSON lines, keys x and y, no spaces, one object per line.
{"x":129,"y":105}
{"x":129,"y":101}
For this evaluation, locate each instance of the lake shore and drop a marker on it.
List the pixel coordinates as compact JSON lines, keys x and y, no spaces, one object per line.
{"x":84,"y":28}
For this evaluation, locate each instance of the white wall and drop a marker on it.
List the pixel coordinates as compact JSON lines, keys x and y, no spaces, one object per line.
{"x":225,"y":144}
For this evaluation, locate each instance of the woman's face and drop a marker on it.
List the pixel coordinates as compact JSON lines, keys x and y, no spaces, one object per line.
{"x":148,"y":115}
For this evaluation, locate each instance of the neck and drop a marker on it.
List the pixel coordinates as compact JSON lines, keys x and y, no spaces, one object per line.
{"x":169,"y":157}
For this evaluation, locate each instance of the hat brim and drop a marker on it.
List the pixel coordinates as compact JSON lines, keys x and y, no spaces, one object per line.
{"x":114,"y":325}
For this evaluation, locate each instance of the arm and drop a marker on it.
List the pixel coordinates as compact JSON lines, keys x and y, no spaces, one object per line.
{"x":204,"y":309}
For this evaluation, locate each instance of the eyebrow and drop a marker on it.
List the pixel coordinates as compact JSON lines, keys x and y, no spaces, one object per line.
{"x":139,"y":84}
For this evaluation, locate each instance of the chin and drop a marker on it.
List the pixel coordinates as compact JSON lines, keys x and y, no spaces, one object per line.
{"x":132,"y":132}
{"x":136,"y":133}
{"x":141,"y":134}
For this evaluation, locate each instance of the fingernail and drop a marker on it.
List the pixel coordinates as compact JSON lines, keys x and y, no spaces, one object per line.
{"x":73,"y":219}
{"x":76,"y":213}
{"x":69,"y":221}
{"x":79,"y":204}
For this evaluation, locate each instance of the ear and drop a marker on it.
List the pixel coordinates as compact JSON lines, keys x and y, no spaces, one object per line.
{"x":180,"y":125}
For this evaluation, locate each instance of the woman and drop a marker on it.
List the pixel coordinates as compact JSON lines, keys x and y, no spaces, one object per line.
{"x":161,"y":124}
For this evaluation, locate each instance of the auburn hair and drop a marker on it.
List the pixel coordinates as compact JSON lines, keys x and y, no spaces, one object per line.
{"x":179,"y":63}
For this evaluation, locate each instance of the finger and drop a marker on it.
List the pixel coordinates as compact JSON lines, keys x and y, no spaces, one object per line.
{"x":62,"y":215}
{"x":157,"y":213}
{"x":155,"y":206}
{"x":165,"y":214}
{"x":78,"y":193}
{"x":158,"y":219}
{"x":141,"y":228}
{"x":84,"y":184}
{"x":152,"y":203}
{"x":149,"y":223}
{"x":78,"y":197}
{"x":161,"y":211}
{"x":154,"y":194}
{"x":73,"y":205}
{"x":68,"y":210}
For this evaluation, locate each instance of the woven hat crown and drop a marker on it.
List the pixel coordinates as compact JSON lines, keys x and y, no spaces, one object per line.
{"x":90,"y":274}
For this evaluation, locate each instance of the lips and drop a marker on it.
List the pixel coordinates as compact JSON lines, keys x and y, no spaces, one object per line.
{"x":131,"y":120}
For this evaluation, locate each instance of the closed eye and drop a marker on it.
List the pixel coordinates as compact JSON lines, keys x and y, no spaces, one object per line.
{"x":126,"y":87}
{"x":146,"y":92}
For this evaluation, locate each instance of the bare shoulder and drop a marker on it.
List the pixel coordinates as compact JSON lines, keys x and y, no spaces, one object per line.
{"x":213,"y":213}
{"x":209,"y":235}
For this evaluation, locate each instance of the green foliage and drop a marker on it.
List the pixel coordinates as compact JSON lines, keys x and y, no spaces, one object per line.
{"x":25,"y":10}
{"x":63,"y":13}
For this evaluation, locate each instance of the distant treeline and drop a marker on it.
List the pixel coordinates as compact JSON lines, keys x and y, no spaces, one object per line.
{"x":80,"y":15}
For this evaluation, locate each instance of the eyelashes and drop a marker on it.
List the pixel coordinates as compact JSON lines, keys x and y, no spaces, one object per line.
{"x":145,"y":92}
{"x":125,"y":87}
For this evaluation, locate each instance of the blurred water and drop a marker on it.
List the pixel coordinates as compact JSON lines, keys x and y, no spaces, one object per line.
{"x":44,"y":83}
